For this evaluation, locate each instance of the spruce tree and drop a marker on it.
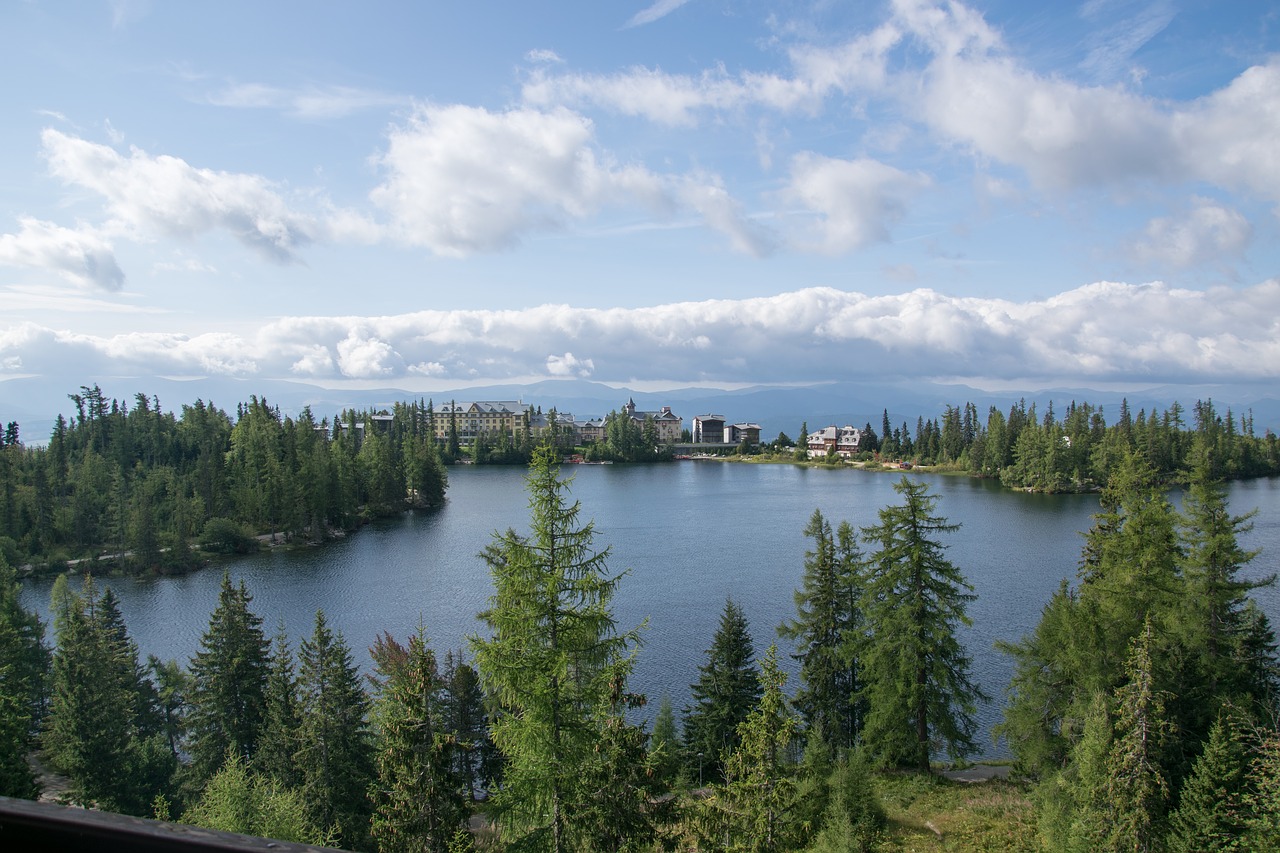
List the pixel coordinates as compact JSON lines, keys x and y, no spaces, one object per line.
{"x":277,"y":754}
{"x":92,"y":733}
{"x":756,"y":806}
{"x":24,"y":672}
{"x":335,"y":756}
{"x":1208,"y":816}
{"x":553,"y":660}
{"x":664,"y":743}
{"x":825,"y":630}
{"x":468,"y":724}
{"x":417,"y":796}
{"x":1137,"y":788}
{"x":230,"y":675}
{"x":1216,"y":593}
{"x":920,"y":696}
{"x":728,"y":687}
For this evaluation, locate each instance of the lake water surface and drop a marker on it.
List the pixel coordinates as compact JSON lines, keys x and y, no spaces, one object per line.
{"x":688,"y":533}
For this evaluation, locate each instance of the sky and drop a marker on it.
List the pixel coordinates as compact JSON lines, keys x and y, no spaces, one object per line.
{"x":719,"y":193}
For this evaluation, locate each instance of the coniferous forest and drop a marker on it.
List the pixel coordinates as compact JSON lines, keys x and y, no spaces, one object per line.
{"x":1141,"y":716}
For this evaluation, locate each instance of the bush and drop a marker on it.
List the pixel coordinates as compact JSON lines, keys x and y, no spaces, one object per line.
{"x":224,"y":536}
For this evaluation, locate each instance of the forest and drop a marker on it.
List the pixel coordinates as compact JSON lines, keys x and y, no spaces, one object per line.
{"x":138,"y":487}
{"x":1141,"y":715}
{"x":1077,"y":452}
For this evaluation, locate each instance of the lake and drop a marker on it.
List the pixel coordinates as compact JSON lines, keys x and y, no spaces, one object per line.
{"x":689,"y":534}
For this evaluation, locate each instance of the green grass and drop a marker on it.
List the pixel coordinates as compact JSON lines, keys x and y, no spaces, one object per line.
{"x":931,"y":814}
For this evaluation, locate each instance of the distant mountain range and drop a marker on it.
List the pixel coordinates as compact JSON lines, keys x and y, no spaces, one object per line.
{"x":36,"y":402}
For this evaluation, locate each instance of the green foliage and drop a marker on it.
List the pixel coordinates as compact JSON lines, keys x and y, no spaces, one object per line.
{"x":854,"y":818}
{"x":664,"y":744}
{"x":919,"y":694}
{"x":417,"y":796}
{"x":756,"y":808}
{"x":24,"y":672}
{"x":224,"y":536}
{"x":826,"y":631}
{"x":554,"y":661}
{"x":1208,"y":815}
{"x":239,"y":800}
{"x":277,"y":753}
{"x":229,"y":675}
{"x":143,"y":485}
{"x":475,"y":759}
{"x":101,"y":731}
{"x":728,"y":687}
{"x":335,"y":752}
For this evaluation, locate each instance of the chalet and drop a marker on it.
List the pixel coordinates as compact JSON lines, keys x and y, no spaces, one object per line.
{"x":844,"y":440}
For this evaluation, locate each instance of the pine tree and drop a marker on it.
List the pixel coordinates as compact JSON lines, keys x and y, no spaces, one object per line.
{"x":664,"y":743}
{"x":1207,"y":818}
{"x":826,"y":629}
{"x":755,"y":808}
{"x":236,"y":799}
{"x":417,"y":796}
{"x":728,"y":687}
{"x":24,"y":672}
{"x":92,"y":733}
{"x":919,"y":693}
{"x":553,"y":659}
{"x":468,"y":724}
{"x":335,"y":756}
{"x":1137,"y":787}
{"x":854,"y":816}
{"x":277,"y":754}
{"x":1216,"y":594}
{"x":230,"y":675}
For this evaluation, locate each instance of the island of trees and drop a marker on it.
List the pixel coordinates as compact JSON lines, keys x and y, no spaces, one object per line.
{"x":1142,"y":715}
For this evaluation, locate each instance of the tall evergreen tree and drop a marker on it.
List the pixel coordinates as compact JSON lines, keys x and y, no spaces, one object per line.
{"x":1208,"y":818}
{"x":229,"y":675}
{"x":468,"y":724}
{"x":826,"y":631}
{"x":277,"y":754}
{"x":24,"y":672}
{"x":93,"y":733}
{"x":335,"y":756}
{"x":728,"y":687}
{"x":553,"y":660}
{"x":1216,"y":593}
{"x":664,"y":743}
{"x":919,"y":692}
{"x":417,"y":796}
{"x":755,"y":809}
{"x":1137,"y":783}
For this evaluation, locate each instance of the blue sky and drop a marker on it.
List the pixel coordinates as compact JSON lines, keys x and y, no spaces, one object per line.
{"x":429,"y":195}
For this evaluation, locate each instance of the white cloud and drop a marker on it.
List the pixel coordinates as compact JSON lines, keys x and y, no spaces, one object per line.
{"x":462,"y":180}
{"x":1206,"y":231}
{"x":165,"y":195}
{"x":1104,"y":332}
{"x":856,"y":200}
{"x":659,"y":9}
{"x":544,"y":55}
{"x":568,"y":365}
{"x":970,"y":90}
{"x":82,"y":257}
{"x":311,"y":102}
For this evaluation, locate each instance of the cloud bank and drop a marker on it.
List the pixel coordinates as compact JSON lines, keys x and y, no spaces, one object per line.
{"x":1102,"y":332}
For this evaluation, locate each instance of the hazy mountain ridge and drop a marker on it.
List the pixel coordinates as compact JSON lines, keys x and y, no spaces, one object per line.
{"x":35,"y":402}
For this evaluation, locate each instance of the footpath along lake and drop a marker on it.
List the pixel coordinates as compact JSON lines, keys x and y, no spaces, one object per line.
{"x":690,"y":534}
